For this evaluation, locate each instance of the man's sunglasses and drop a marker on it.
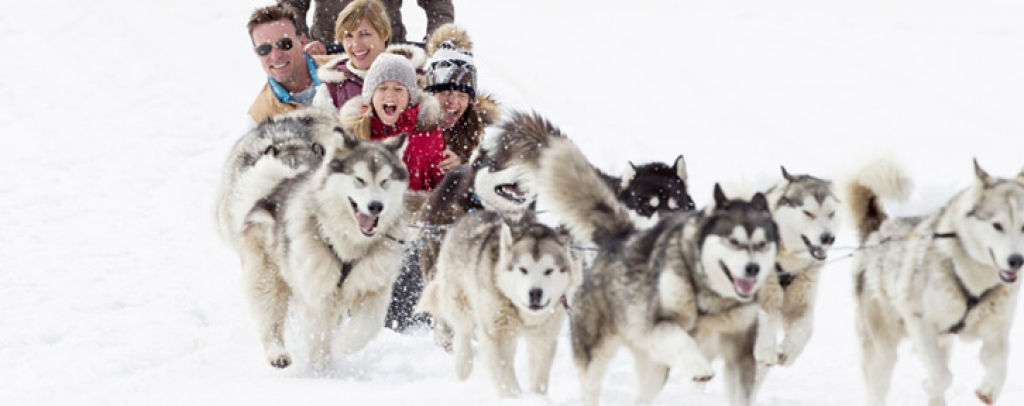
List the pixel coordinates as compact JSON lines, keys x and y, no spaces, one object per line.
{"x":283,"y":44}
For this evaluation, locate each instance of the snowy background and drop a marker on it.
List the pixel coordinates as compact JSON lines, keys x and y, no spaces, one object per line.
{"x":118,"y":115}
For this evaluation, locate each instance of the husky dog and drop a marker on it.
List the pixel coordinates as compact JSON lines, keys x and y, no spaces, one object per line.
{"x":327,"y":242}
{"x":677,"y":295}
{"x":503,"y":279}
{"x":933,"y":277}
{"x":296,"y":139}
{"x":804,"y":207}
{"x":652,"y":190}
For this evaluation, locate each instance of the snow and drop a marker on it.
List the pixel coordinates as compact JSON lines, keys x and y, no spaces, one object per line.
{"x":115,"y":289}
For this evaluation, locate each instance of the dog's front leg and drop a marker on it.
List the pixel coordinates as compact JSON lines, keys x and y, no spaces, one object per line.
{"x":674,"y":346}
{"x":498,"y":349}
{"x":268,"y":297}
{"x":765,"y":348}
{"x":994,"y":352}
{"x":367,"y":319}
{"x":934,"y":356}
{"x":542,"y":346}
{"x":798,"y":333}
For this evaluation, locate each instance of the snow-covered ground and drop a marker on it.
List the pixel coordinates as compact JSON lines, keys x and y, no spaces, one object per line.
{"x":118,"y":114}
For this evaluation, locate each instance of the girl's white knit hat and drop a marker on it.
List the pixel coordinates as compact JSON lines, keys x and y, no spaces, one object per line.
{"x":387,"y":67}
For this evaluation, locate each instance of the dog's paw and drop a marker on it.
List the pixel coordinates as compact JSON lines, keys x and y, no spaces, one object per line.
{"x":463,"y":366}
{"x":985,"y":394}
{"x":700,"y":369}
{"x":768,"y":355}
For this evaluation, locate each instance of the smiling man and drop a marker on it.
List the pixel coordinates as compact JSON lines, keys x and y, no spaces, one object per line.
{"x":291,"y":73}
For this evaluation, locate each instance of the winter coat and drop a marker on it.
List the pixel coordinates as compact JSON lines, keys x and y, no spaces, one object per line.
{"x":267,"y":104}
{"x":421,"y":122}
{"x":340,"y":84}
{"x":463,"y":137}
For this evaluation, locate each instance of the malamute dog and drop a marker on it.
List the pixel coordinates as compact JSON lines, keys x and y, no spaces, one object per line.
{"x":677,"y":295}
{"x":804,"y":207}
{"x":502,"y":279}
{"x":933,"y":277}
{"x":652,"y":190}
{"x":296,"y":139}
{"x":328,"y":244}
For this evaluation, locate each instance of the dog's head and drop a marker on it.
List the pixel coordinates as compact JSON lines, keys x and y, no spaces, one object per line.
{"x":653,"y":190}
{"x":293,"y":140}
{"x":534,"y":269}
{"x":738,"y":242}
{"x":500,"y":184}
{"x":992,"y":230}
{"x":365,"y":180}
{"x":806,"y":211}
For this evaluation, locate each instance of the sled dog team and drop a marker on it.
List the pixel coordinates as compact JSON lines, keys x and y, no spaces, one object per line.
{"x":320,"y":220}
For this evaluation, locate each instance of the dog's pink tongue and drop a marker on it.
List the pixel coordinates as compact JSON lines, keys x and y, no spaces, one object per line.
{"x":745,"y":286}
{"x":1008,"y":276}
{"x":366,"y":223}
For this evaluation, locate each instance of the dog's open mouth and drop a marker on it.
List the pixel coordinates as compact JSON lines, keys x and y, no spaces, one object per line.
{"x":367,"y":223}
{"x":819,"y":253}
{"x":1007,"y":275}
{"x":511,"y":191}
{"x":744,"y":286}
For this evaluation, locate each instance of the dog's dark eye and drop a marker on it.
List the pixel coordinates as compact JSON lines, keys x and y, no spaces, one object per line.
{"x":760,"y":246}
{"x":809,"y":214}
{"x":336,"y":166}
{"x":562,"y":270}
{"x":734,"y":242}
{"x":831,"y":215}
{"x":384,"y":183}
{"x":360,"y":182}
{"x":523,"y":271}
{"x":997,"y":226}
{"x":548,"y":271}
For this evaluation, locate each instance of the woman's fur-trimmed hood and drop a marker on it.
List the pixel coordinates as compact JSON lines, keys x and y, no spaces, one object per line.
{"x":428,"y":116}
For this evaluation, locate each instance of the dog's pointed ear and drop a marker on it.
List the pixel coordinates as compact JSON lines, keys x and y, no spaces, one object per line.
{"x":397,"y":144}
{"x":785,"y":174}
{"x":680,"y":168}
{"x":986,"y":179}
{"x":318,"y":149}
{"x":563,"y":235}
{"x":627,"y":176}
{"x":1020,"y":176}
{"x":347,"y":141}
{"x":759,"y":201}
{"x":721,"y":201}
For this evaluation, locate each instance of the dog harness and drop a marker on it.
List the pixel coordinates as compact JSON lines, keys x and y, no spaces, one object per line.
{"x":972,"y":300}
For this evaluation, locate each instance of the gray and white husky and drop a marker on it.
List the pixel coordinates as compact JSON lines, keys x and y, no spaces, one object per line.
{"x":502,"y":279}
{"x":934,"y":277}
{"x":677,"y":295}
{"x":327,"y":245}
{"x":805,"y":209}
{"x":296,"y":139}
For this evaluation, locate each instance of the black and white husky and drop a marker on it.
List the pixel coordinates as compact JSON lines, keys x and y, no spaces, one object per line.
{"x":676,"y":295}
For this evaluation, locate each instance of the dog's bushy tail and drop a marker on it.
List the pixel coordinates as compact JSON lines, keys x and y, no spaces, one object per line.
{"x":882,"y":179}
{"x":569,"y":186}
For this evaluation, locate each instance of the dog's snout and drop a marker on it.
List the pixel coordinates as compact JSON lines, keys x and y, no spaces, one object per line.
{"x":375,"y":207}
{"x":827,"y":238}
{"x":536,"y":294}
{"x":752,"y":269}
{"x":1015,"y":261}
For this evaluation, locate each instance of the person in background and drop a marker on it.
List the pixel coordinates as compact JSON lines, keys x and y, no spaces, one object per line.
{"x":452,"y":77}
{"x":278,"y":41}
{"x":390,"y":105}
{"x":322,"y":31}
